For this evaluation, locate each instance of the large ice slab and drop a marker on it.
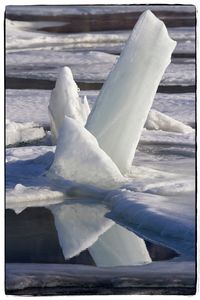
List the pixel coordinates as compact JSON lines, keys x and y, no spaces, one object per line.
{"x":65,"y":101}
{"x":124,"y":102}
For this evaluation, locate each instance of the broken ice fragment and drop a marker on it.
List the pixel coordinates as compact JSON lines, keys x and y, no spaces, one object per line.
{"x":159,"y":121}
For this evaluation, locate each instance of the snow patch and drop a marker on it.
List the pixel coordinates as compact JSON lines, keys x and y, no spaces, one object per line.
{"x":25,"y":105}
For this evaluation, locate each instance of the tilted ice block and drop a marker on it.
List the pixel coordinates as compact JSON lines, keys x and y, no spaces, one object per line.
{"x":65,"y":101}
{"x":119,"y":246}
{"x":124,"y":102}
{"x":79,"y":158}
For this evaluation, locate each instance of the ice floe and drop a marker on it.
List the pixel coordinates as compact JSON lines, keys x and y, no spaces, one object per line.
{"x":22,"y":132}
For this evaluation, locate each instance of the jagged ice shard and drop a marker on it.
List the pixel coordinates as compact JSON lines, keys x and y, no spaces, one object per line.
{"x":126,"y":97}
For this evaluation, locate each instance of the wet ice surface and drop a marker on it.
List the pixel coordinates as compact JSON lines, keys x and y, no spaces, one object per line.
{"x":158,"y":203}
{"x":103,"y":279}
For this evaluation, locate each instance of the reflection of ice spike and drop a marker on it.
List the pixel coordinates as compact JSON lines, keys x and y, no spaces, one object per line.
{"x":65,"y":101}
{"x":118,"y":246}
{"x":124,"y":102}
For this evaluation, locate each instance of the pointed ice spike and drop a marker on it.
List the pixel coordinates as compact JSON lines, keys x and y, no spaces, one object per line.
{"x":124,"y":102}
{"x":65,"y":101}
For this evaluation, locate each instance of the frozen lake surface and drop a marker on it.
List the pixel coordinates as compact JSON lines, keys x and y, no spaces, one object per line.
{"x":158,"y":201}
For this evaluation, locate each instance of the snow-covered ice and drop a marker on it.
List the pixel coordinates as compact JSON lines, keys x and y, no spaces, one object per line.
{"x":32,"y":37}
{"x":167,"y":138}
{"x":39,"y":40}
{"x":25,"y":105}
{"x":87,"y":66}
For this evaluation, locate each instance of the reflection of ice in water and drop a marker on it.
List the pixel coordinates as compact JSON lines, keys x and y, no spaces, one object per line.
{"x":119,"y":246}
{"x":81,"y":224}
